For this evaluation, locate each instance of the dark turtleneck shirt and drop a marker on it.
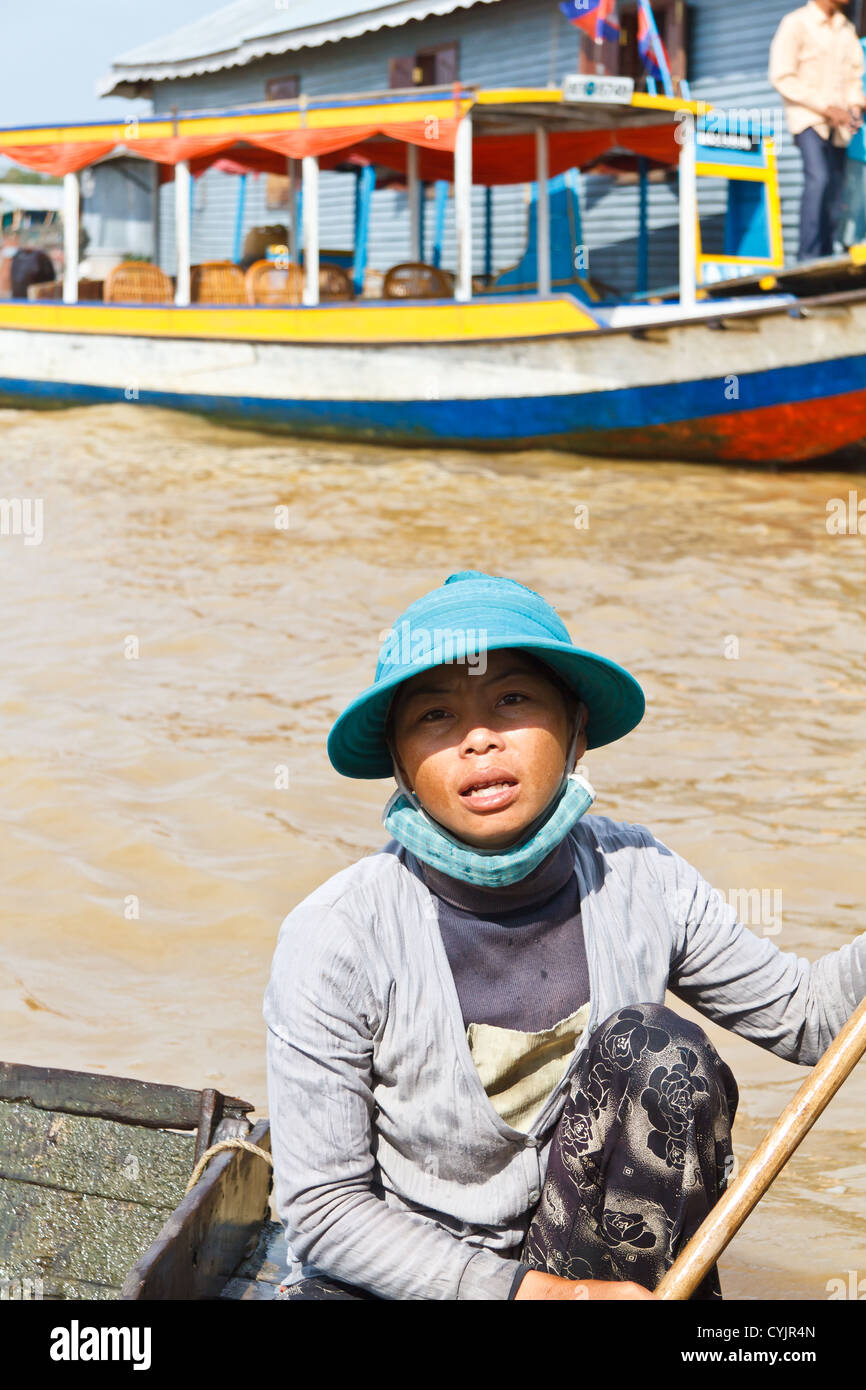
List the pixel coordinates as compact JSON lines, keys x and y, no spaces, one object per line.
{"x":517,"y":954}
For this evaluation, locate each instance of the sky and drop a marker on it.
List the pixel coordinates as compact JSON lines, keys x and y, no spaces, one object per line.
{"x":54,"y":52}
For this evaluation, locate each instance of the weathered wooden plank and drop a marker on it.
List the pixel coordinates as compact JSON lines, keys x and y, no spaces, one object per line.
{"x":112,"y":1097}
{"x":68,"y":1235}
{"x":824,"y":277}
{"x":209,"y":1115}
{"x":210,"y":1233}
{"x":77,"y":1153}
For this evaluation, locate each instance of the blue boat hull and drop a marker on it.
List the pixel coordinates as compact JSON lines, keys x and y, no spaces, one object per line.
{"x":763,"y":421}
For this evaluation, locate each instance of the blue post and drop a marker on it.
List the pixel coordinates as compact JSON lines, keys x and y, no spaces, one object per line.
{"x":643,"y":232}
{"x":488,"y":234}
{"x":422,"y":194}
{"x":363,"y":198}
{"x":439,"y":219}
{"x":239,"y":217}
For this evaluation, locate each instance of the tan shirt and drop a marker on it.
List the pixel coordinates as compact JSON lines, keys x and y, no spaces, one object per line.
{"x":519,"y":1070}
{"x":816,"y":61}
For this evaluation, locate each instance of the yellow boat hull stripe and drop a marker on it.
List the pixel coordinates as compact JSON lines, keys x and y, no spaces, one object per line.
{"x":369,"y":323}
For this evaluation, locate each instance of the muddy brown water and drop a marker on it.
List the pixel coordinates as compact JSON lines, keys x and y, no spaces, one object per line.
{"x":174,"y":656}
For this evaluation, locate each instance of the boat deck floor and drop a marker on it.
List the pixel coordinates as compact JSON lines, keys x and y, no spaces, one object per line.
{"x":264,"y":1270}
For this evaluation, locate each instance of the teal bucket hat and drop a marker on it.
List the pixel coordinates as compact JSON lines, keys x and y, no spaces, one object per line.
{"x":472,"y":613}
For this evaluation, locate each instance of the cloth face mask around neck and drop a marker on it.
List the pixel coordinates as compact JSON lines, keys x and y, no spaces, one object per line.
{"x":407,"y":822}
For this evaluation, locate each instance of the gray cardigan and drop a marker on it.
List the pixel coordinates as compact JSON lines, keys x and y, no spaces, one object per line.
{"x":393,"y":1170}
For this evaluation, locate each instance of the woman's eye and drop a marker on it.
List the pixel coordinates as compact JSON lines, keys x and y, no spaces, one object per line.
{"x":513,"y":695}
{"x":432,"y":714}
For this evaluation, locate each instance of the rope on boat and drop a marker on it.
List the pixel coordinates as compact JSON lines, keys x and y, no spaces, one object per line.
{"x":218,"y":1148}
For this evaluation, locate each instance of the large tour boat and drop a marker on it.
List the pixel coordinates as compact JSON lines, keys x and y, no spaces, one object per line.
{"x":760,"y":373}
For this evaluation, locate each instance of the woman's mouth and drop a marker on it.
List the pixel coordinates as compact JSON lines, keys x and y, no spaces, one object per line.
{"x":490,"y":792}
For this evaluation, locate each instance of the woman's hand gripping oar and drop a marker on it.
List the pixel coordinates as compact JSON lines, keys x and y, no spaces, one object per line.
{"x":769,"y":1158}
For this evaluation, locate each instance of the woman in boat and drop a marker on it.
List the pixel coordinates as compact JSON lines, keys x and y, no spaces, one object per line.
{"x":476,"y":1090}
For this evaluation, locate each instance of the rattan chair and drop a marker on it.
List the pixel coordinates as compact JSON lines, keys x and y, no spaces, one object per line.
{"x":274,"y":282}
{"x":414,"y":280}
{"x":138,"y":282}
{"x":217,"y":282}
{"x":335,"y":282}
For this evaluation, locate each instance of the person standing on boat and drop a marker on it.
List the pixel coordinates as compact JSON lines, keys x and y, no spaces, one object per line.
{"x":816,"y":65}
{"x":476,"y":1090}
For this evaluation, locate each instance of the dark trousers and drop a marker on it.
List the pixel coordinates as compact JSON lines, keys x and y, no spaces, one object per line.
{"x":640,"y":1154}
{"x":823,"y":188}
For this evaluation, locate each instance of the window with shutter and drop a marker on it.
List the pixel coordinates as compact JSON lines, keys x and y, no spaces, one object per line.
{"x":436,"y":66}
{"x":400,"y":72}
{"x":444,"y":63}
{"x":676,"y":35}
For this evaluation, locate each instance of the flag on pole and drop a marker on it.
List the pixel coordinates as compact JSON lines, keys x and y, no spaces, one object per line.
{"x":597,"y":18}
{"x":650,"y":47}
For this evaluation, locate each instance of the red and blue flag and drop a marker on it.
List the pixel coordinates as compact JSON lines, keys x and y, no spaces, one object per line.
{"x":597,"y":18}
{"x":646,"y":33}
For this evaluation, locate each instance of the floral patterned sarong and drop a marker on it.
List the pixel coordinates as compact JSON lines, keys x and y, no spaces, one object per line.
{"x":641,"y":1152}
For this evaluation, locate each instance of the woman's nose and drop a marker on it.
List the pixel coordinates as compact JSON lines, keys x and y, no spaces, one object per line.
{"x":481,"y":739}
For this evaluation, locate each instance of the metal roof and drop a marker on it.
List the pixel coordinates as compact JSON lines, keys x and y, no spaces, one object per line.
{"x":247,"y":30}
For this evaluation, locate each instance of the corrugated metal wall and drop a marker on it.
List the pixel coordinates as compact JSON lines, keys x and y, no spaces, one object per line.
{"x":518,"y":41}
{"x":117,"y":206}
{"x":731,"y":38}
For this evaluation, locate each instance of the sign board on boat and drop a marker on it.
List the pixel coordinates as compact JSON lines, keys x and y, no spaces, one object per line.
{"x":711,"y":272}
{"x":745,"y":142}
{"x":579,"y":86}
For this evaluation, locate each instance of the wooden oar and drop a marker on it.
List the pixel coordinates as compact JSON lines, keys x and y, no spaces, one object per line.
{"x":769,"y":1158}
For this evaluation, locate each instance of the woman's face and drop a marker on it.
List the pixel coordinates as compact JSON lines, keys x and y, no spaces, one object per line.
{"x":484,"y":751}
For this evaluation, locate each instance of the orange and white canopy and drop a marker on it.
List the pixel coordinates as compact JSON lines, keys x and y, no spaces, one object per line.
{"x":376,"y":129}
